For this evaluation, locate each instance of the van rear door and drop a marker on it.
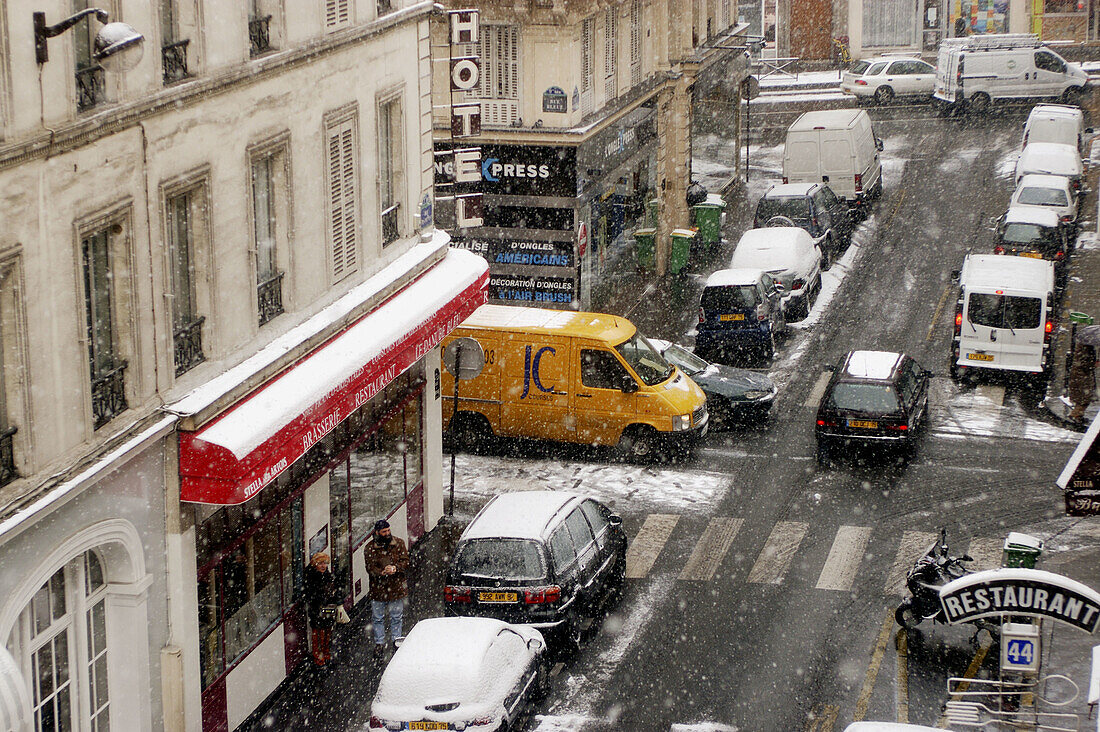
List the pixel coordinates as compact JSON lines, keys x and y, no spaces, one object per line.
{"x":800,"y":158}
{"x":1002,"y":330}
{"x":838,"y":162}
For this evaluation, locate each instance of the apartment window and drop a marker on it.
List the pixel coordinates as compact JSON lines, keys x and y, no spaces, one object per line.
{"x":183,"y":213}
{"x":91,"y":86}
{"x":342,"y":172}
{"x":173,"y":47}
{"x":106,"y":366}
{"x":890,"y":23}
{"x":270,"y":212}
{"x":610,"y":48}
{"x":384,"y":7}
{"x":391,"y":169}
{"x":726,"y":19}
{"x":259,"y":29}
{"x":636,"y":41}
{"x":588,"y":61}
{"x":10,"y":362}
{"x":337,"y":14}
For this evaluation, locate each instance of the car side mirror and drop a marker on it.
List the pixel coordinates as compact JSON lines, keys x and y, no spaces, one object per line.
{"x":956,"y":275}
{"x":966,"y":558}
{"x":615,"y":521}
{"x":780,"y":288}
{"x":534,"y":644}
{"x":1088,"y":130}
{"x":879,"y":145}
{"x":397,"y":642}
{"x":628,"y":385}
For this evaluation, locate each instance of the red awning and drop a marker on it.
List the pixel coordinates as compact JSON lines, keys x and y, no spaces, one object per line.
{"x":230,"y":459}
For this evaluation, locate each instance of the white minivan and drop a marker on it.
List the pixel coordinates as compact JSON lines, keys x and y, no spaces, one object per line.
{"x":1060,"y":123}
{"x":1004,"y":316}
{"x":838,"y":147}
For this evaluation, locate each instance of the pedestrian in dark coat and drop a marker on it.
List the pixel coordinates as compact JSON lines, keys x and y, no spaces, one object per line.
{"x":322,"y":597}
{"x":387,"y":558}
{"x":1082,"y":380}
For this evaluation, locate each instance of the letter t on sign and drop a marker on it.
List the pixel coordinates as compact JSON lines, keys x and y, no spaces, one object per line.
{"x":464,"y":26}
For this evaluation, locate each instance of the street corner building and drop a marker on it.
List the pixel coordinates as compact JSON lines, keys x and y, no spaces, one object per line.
{"x":222,"y":298}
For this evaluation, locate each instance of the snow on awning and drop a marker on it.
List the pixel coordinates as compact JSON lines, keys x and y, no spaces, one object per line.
{"x":230,"y":459}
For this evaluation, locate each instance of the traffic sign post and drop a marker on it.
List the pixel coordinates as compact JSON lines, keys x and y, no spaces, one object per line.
{"x":464,"y":358}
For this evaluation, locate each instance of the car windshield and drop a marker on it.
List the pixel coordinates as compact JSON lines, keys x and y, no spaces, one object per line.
{"x":508,"y":559}
{"x":1042,"y":197}
{"x":685,"y":360}
{"x":1026,"y":233}
{"x":725,"y":299}
{"x":796,"y":208}
{"x":1004,"y":311}
{"x":864,"y":397}
{"x":644,"y":359}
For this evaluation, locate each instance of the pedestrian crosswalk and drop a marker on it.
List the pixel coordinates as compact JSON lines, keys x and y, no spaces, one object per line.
{"x":772,"y":560}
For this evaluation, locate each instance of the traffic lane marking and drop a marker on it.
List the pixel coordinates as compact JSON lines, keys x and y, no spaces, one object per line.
{"x":711,"y":549}
{"x":936,"y":315}
{"x":822,"y":719}
{"x":844,"y":557}
{"x":873,"y":667}
{"x":971,"y":672}
{"x":648,"y":543}
{"x":912,"y":547}
{"x":903,"y":676}
{"x":815,"y":394}
{"x":778,"y":551}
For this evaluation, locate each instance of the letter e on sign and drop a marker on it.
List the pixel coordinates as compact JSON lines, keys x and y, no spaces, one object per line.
{"x":465,"y":73}
{"x":464,"y":26}
{"x":468,"y":165}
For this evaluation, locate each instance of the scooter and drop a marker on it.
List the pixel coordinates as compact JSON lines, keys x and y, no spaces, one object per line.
{"x":933,"y":570}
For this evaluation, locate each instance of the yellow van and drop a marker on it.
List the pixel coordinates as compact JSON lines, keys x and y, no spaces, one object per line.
{"x":559,"y":375}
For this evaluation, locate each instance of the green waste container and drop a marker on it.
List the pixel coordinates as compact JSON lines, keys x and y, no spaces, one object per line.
{"x":645,"y":247}
{"x":708,"y":219}
{"x":1021,"y":550}
{"x":651,"y":213}
{"x":1080,"y":318}
{"x":680,"y":253}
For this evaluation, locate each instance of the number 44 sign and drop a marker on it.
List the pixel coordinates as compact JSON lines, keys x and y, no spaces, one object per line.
{"x":1020,"y":647}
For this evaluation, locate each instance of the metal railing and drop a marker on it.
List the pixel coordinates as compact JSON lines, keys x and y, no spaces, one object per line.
{"x":7,"y":456}
{"x":269,"y":297}
{"x":1008,"y":705}
{"x":109,"y":395}
{"x":188,"y":342}
{"x":390,"y":230}
{"x":259,"y":35}
{"x":91,"y":87}
{"x":174,"y":59}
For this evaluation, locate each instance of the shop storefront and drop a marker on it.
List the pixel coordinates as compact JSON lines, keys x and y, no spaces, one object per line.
{"x":307,"y":463}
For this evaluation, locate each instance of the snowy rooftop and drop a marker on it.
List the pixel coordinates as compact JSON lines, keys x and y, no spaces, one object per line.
{"x":520,"y":515}
{"x":1038,"y":215}
{"x":733,"y":277}
{"x":1043,"y":180}
{"x":827,"y":118}
{"x":1049,"y":157}
{"x":872,"y":364}
{"x":996,"y":271}
{"x":550,"y":322}
{"x":780,"y":245}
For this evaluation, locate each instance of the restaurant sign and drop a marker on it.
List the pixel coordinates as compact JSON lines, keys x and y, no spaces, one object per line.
{"x":1019,"y":591}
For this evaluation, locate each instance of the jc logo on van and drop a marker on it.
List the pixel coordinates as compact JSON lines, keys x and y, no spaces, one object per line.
{"x":531,"y":370}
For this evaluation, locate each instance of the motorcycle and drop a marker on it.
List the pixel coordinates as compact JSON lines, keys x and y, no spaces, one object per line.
{"x":931,"y":572}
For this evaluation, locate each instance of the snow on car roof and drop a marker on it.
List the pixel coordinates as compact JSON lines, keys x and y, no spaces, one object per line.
{"x":544,"y":321}
{"x":1049,"y":157}
{"x":789,"y":189}
{"x":777,"y":246}
{"x":517,"y":515}
{"x":997,"y":271}
{"x":1049,"y":110}
{"x":1043,"y":180}
{"x":871,"y":364}
{"x":1025,"y":214}
{"x":826,"y":118}
{"x":734,"y":277}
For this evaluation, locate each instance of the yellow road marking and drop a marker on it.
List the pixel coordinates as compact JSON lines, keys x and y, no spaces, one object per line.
{"x":901,"y":197}
{"x":873,"y":667}
{"x":822,"y":720}
{"x":971,"y":672}
{"x":903,"y":676}
{"x":936,"y":315}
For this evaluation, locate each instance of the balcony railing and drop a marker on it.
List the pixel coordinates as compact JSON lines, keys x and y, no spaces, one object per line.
{"x":7,"y":456}
{"x":390,"y":230}
{"x":174,"y":58}
{"x":259,"y":35}
{"x":188,"y":341}
{"x":269,"y":296}
{"x":385,"y":7}
{"x":91,"y":88}
{"x":109,"y":395}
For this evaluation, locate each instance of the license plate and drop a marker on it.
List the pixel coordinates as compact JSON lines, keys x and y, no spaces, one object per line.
{"x":863,"y":424}
{"x":731,"y":316}
{"x":428,"y":725}
{"x":980,"y":356}
{"x":490,"y":597}
{"x":1033,"y":255}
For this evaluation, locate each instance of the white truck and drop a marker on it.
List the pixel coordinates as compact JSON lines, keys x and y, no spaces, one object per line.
{"x":838,"y":147}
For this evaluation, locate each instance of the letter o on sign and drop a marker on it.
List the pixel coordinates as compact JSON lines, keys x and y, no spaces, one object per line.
{"x":465,"y":74}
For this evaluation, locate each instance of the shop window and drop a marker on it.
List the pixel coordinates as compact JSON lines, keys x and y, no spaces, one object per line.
{"x":1063,"y":6}
{"x":383,"y":469}
{"x":340,"y":521}
{"x":889,"y":23}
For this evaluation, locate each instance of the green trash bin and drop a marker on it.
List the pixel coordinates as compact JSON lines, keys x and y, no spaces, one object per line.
{"x":708,"y":219}
{"x":645,"y":247}
{"x":651,"y":213}
{"x":680,"y":253}
{"x":1021,"y":550}
{"x":1080,"y":318}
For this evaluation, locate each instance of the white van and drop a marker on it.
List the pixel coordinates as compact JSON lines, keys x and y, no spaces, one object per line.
{"x":1004,"y":317}
{"x":1059,"y":123}
{"x":976,"y":70}
{"x":838,"y":147}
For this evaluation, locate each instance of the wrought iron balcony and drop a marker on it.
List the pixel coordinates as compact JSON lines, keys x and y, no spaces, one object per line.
{"x":91,"y":88}
{"x":174,"y":58}
{"x":188,"y":341}
{"x":390,"y":230}
{"x":259,"y":35}
{"x":109,"y":395}
{"x":7,"y":456}
{"x":385,"y":6}
{"x":269,"y":296}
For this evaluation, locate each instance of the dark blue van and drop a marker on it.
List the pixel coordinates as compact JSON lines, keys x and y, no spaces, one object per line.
{"x":740,"y":315}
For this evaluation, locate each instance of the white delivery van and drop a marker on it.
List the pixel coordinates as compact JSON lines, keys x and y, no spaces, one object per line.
{"x":1004,"y":316}
{"x":1058,"y":123}
{"x":838,"y":147}
{"x":976,"y":70}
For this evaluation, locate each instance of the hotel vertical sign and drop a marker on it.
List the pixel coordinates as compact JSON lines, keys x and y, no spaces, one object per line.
{"x":465,"y":75}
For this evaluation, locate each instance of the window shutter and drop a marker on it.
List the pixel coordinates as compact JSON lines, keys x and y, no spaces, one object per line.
{"x":343,"y":198}
{"x":337,"y":13}
{"x":610,"y":43}
{"x":586,"y":54}
{"x":636,"y":42}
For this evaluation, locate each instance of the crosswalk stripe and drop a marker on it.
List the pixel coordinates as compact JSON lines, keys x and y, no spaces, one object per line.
{"x":844,"y":557}
{"x":716,"y":540}
{"x":819,"y":389}
{"x":913,"y":545}
{"x":986,"y":553}
{"x":777,"y":553}
{"x":648,"y":543}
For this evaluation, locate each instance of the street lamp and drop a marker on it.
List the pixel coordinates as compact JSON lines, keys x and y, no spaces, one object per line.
{"x":118,"y":47}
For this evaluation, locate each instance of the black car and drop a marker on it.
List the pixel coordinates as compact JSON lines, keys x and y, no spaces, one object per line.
{"x":813,"y":207}
{"x":1031,"y":231}
{"x":874,"y":398}
{"x":548,"y":559}
{"x":733,"y":394}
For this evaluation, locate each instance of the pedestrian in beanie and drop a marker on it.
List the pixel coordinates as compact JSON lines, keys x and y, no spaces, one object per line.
{"x":386,"y":559}
{"x":322,"y":597}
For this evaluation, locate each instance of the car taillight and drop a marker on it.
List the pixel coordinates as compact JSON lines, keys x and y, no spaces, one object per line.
{"x":702,"y":316}
{"x":798,"y":284}
{"x":540,"y":595}
{"x":1066,"y":218}
{"x":998,"y":249}
{"x":1058,"y":256}
{"x":1049,"y":328}
{"x":826,"y":423}
{"x":376,"y":723}
{"x":761,"y":313}
{"x":456,"y":594}
{"x":1076,"y":186}
{"x":813,"y":221}
{"x":859,"y":182}
{"x":897,"y":427}
{"x":958,"y":319}
{"x":482,"y":721}
{"x":861,"y":82}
